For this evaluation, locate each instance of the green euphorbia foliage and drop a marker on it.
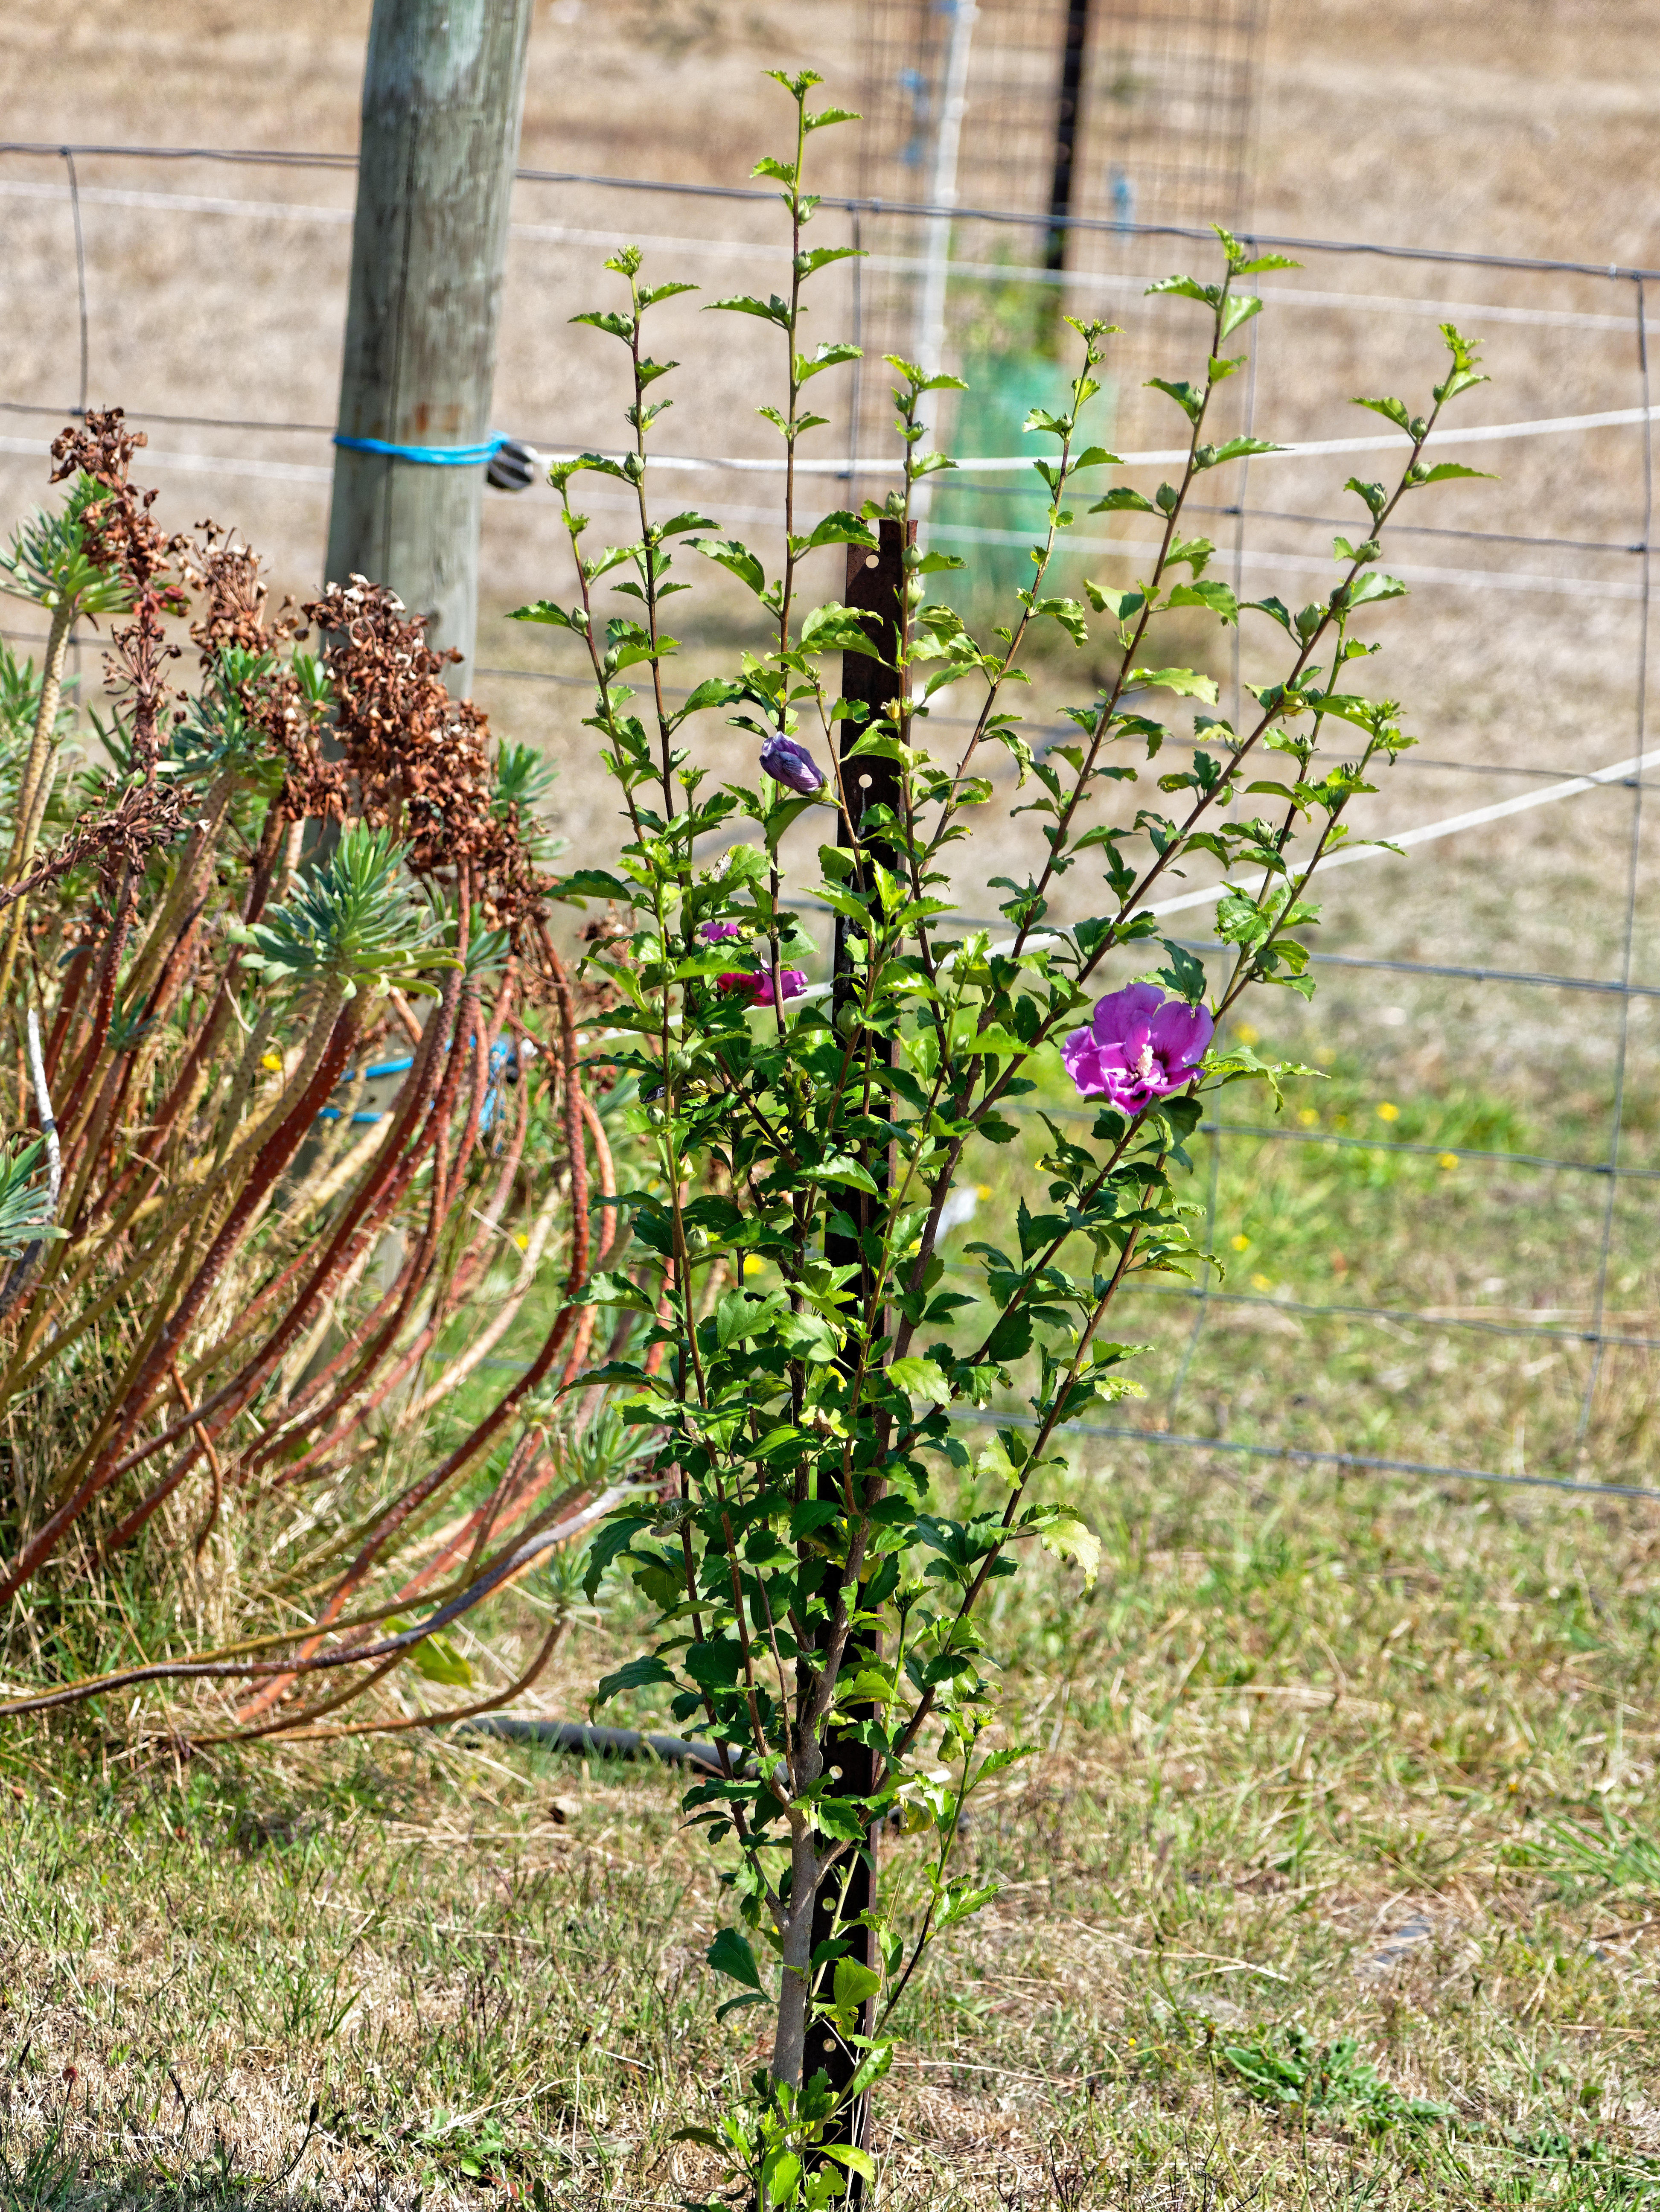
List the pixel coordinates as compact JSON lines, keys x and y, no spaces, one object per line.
{"x":48,"y":563}
{"x":355,"y":921}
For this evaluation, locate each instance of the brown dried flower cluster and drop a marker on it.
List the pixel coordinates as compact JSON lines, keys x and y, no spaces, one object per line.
{"x":119,"y":532}
{"x":419,"y":757}
{"x":133,"y":821}
{"x":121,"y":535}
{"x":389,"y":745}
{"x":123,"y":833}
{"x":226,"y":571}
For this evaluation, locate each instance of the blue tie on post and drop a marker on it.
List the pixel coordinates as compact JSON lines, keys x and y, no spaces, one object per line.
{"x":510,"y":464}
{"x":432,"y":457}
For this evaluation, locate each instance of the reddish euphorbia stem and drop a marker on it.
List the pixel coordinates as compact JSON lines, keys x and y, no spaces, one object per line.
{"x":277,"y":1151}
{"x":465,"y":1453}
{"x":121,"y":922}
{"x":382,"y":1186}
{"x":80,"y":968}
{"x":402,"y":1296}
{"x":236,"y":1392}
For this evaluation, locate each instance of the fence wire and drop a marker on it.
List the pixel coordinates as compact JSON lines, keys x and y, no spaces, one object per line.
{"x":976,"y":259}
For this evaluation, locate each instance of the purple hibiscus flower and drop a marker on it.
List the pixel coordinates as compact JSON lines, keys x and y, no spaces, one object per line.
{"x":1141,"y":1046}
{"x":792,"y":982}
{"x":787,"y":762}
{"x":718,"y":932}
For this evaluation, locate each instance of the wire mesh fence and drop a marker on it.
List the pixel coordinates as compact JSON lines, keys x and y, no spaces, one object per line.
{"x":1438,"y":1261}
{"x":1125,"y":114}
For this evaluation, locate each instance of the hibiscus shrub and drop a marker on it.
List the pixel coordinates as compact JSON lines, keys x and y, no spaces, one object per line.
{"x":819,"y":1535}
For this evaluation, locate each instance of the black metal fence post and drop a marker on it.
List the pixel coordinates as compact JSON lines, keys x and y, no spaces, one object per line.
{"x":876,"y":583}
{"x":1068,"y":120}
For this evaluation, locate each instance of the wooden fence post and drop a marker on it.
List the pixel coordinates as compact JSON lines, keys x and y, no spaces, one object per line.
{"x":443,"y":93}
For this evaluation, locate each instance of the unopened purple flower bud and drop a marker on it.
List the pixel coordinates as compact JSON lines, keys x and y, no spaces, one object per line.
{"x":789,"y":763}
{"x":718,"y":932}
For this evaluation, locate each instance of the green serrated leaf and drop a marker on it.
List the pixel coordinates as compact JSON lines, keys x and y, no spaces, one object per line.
{"x":1444,"y":471}
{"x":1394,"y":409}
{"x":1123,"y":500}
{"x":1218,"y":597}
{"x":918,"y":1378}
{"x":545,"y":611}
{"x":731,"y":1954}
{"x":1068,"y":1539}
{"x":1187,"y":397}
{"x":1186,"y":683}
{"x":733,"y":555}
{"x":773,"y":310}
{"x":1375,"y":585}
{"x":639,"y":1674}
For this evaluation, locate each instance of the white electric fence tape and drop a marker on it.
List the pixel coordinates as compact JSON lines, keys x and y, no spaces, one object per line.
{"x":1425,"y":834}
{"x":1482,"y":433}
{"x":298,"y":472}
{"x":1449,"y":826}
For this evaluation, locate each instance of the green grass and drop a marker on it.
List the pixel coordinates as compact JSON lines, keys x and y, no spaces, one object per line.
{"x":1332,"y":1877}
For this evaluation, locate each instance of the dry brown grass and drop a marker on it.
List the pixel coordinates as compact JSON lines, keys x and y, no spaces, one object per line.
{"x":1518,"y":131}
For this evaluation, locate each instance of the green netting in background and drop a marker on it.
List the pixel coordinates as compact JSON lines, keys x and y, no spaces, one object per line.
{"x":1004,"y":386}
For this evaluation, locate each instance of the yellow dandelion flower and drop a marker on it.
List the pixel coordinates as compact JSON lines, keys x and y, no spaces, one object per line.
{"x":1448,"y":1160}
{"x":1262,"y":1282}
{"x":982,"y":1191}
{"x":1307,"y":1116}
{"x":273,"y":1060}
{"x":752,"y":1266}
{"x":1386,"y":1112}
{"x":1242,"y":1244}
{"x":1245,"y":1033}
